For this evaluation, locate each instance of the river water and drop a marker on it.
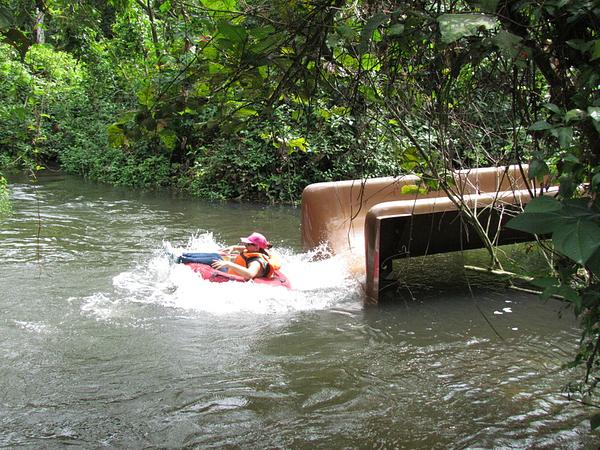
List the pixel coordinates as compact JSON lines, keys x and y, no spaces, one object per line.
{"x":104,"y":343}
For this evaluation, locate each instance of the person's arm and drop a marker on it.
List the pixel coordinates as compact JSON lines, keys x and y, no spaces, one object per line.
{"x":247,"y":273}
{"x":232,"y":248}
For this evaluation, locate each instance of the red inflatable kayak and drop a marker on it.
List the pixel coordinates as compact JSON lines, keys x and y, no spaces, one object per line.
{"x":216,"y":276}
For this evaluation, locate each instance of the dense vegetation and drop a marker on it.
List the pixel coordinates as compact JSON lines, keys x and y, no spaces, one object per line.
{"x":255,"y":99}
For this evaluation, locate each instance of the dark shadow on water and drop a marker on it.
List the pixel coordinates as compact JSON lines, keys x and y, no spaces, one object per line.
{"x":445,"y":275}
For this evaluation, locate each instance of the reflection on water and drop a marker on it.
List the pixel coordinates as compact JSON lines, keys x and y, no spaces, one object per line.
{"x":106,"y":344}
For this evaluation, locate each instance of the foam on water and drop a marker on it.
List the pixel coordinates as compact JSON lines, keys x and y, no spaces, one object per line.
{"x":319,"y":281}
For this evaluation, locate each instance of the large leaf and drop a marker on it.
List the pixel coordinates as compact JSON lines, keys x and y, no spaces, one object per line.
{"x":369,"y":61}
{"x":245,"y":112}
{"x":596,"y":50}
{"x":595,"y":421}
{"x":6,"y":18}
{"x":542,"y":215}
{"x":168,"y":138}
{"x":146,"y":95}
{"x":577,"y":240}
{"x":536,"y":223}
{"x":234,"y":33}
{"x":594,"y":113}
{"x":593,"y":262}
{"x":538,"y":169}
{"x":367,"y":31}
{"x":543,"y":205}
{"x":580,"y":208}
{"x":508,"y":43}
{"x":456,"y":26}
{"x":565,"y":136}
{"x":574,"y":115}
{"x":220,"y":6}
{"x":540,"y":125}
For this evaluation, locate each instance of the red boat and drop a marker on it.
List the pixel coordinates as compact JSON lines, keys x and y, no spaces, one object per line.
{"x":216,"y":276}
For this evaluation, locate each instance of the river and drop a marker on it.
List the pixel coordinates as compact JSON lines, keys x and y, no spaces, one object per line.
{"x":107,"y":344}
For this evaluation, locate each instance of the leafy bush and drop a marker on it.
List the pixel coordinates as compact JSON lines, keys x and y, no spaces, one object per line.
{"x":272,"y":161}
{"x":5,"y":206}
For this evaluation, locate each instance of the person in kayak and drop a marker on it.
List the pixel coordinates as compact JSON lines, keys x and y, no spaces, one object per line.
{"x":252,"y":258}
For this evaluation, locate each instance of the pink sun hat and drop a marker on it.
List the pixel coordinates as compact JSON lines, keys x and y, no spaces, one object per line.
{"x":256,"y":239}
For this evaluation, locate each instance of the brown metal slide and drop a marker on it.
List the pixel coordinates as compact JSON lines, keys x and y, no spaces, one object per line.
{"x":375,"y":221}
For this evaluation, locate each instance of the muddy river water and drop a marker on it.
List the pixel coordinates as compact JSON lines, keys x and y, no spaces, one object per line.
{"x":104,"y":343}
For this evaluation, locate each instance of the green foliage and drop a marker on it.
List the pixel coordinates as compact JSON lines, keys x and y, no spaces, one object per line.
{"x":559,"y":107}
{"x":269,"y":163}
{"x":574,"y":226}
{"x":5,"y":205}
{"x":456,"y":26}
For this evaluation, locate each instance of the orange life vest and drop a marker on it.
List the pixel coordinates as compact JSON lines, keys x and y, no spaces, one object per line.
{"x":272,"y":262}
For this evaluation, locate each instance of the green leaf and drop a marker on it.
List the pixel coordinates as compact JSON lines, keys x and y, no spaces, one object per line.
{"x":570,"y":294}
{"x":396,"y":29}
{"x":455,"y":26}
{"x":543,"y":204}
{"x":536,"y":223}
{"x":566,"y":185}
{"x":146,"y":96}
{"x":210,"y":52}
{"x":369,"y":61}
{"x":580,"y":44}
{"x":6,"y":18}
{"x":220,"y":5}
{"x":545,"y":282}
{"x":593,"y":262}
{"x":116,"y":136}
{"x":168,"y":138}
{"x":166,"y":6}
{"x":214,"y":68}
{"x":596,"y":180}
{"x":565,"y":136}
{"x":234,"y":33}
{"x":538,"y":169}
{"x":367,"y":31}
{"x":508,"y":43}
{"x":595,"y":421}
{"x":594,"y":113}
{"x":570,"y":158}
{"x":348,"y":62}
{"x":579,"y":207}
{"x":245,"y":112}
{"x":552,"y":107}
{"x":20,"y":113}
{"x":297,"y":144}
{"x":540,"y":125}
{"x":596,"y":50}
{"x":323,"y":113}
{"x":409,"y":189}
{"x":263,"y":71}
{"x":574,"y":114}
{"x":202,"y":89}
{"x":263,"y":32}
{"x":577,"y":240}
{"x":346,"y":31}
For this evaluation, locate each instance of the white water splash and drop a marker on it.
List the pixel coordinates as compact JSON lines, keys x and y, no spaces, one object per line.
{"x":317,"y":284}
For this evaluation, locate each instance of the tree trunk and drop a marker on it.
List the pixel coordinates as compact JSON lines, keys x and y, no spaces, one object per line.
{"x":38,"y":28}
